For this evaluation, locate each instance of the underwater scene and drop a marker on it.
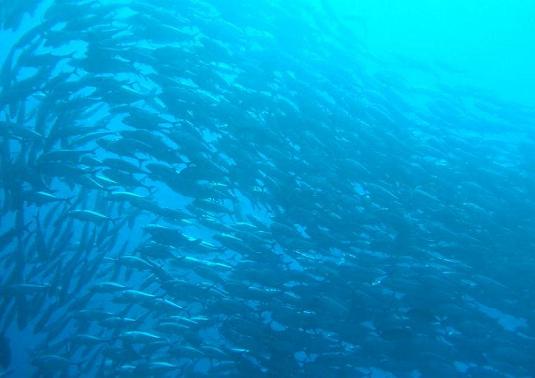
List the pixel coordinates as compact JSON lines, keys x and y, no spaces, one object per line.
{"x":267,"y":188}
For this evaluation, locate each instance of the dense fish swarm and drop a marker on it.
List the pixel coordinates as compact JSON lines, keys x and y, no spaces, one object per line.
{"x":231,"y":188}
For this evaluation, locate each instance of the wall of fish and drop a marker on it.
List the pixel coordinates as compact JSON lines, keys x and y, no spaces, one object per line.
{"x":242,"y":189}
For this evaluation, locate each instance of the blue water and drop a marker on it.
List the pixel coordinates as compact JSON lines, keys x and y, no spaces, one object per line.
{"x":480,"y":44}
{"x":267,"y":188}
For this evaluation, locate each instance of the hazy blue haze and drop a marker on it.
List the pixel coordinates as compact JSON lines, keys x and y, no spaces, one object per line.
{"x":490,"y":43}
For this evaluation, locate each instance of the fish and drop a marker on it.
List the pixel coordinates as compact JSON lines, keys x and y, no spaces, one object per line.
{"x":89,"y":216}
{"x":5,"y":353}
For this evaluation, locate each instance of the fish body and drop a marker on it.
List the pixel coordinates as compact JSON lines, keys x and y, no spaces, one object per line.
{"x":89,"y":216}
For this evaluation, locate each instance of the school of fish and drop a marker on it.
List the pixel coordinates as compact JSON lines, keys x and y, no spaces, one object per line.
{"x":226,"y":188}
